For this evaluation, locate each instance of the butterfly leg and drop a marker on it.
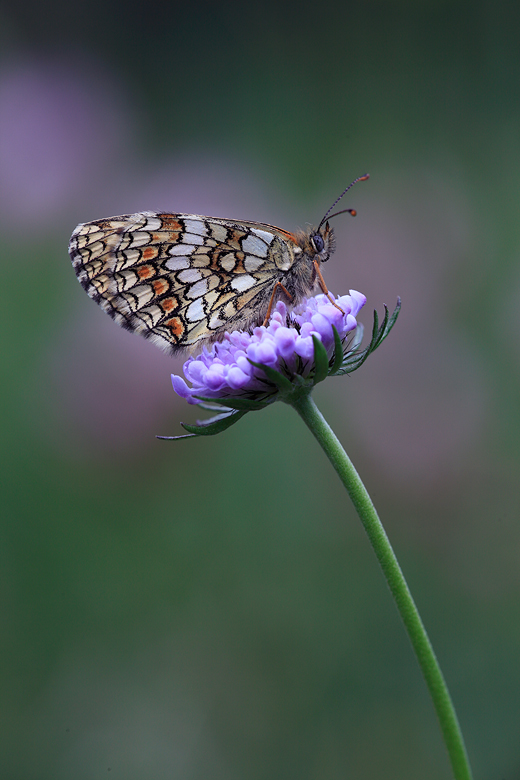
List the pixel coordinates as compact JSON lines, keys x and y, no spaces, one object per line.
{"x":323,"y":286}
{"x":271,"y":301}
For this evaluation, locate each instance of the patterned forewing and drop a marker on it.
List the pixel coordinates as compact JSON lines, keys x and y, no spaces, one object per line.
{"x":180,"y":278}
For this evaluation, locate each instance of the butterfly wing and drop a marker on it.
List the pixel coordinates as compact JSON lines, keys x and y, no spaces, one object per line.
{"x":180,"y":279}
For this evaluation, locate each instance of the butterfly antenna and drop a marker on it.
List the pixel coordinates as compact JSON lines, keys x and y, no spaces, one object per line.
{"x":360,"y":178}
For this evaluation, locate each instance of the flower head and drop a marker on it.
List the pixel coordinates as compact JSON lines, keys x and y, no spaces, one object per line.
{"x":293,"y":352}
{"x":285,"y":345}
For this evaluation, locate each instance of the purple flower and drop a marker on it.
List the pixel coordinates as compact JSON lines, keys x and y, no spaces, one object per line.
{"x":281,"y":361}
{"x":286,"y":344}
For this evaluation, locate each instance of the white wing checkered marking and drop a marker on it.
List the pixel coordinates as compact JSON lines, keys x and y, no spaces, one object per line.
{"x":152,"y":223}
{"x":189,"y":275}
{"x":182,"y":279}
{"x":267,"y":237}
{"x":195,"y":311}
{"x":255,"y":246}
{"x":252,"y":263}
{"x":242,"y":283}
{"x":177,"y":263}
{"x":196,"y":227}
{"x":192,"y":238}
{"x":180,"y":249}
{"x":228,"y":262}
{"x":219,"y":233}
{"x":198,"y":289}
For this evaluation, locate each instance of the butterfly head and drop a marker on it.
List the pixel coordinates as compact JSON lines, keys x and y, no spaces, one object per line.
{"x":322,"y":242}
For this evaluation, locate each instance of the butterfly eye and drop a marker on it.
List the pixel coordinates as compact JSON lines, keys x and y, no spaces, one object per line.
{"x":319,"y":244}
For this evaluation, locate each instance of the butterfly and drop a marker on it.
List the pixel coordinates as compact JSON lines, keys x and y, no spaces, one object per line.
{"x":182,"y":280}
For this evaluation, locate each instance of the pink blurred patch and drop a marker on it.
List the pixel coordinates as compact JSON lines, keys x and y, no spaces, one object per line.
{"x":62,"y":124}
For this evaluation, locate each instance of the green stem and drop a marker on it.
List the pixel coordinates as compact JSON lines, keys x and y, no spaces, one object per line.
{"x":444,"y":708}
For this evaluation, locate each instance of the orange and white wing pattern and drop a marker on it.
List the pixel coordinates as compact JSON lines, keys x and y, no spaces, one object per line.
{"x":185,"y":279}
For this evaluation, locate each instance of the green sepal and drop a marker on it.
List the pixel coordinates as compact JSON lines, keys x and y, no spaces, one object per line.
{"x":338,"y":352}
{"x":215,"y":424}
{"x":391,"y":320}
{"x":278,"y":379}
{"x":212,"y":407}
{"x":211,"y":427}
{"x":321,"y":361}
{"x":358,"y":338}
{"x":173,"y":438}
{"x":353,"y":359}
{"x":240,"y":404}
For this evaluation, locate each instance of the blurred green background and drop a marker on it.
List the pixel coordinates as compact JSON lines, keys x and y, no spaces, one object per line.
{"x":211,"y":608}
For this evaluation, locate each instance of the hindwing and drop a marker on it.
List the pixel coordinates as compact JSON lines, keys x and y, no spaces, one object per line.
{"x":180,"y":279}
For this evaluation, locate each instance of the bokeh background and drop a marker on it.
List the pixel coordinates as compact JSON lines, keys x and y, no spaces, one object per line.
{"x":211,"y":608}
